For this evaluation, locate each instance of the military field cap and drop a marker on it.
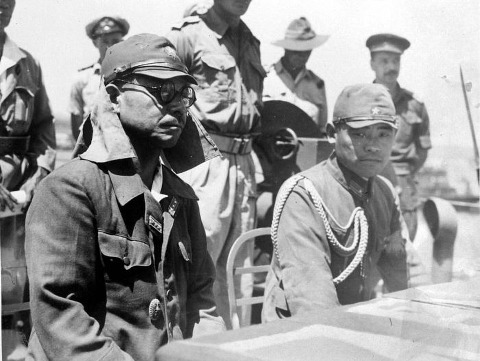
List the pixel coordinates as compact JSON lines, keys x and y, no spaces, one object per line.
{"x":107,"y":25}
{"x":300,"y":36}
{"x":145,"y":54}
{"x":387,"y":42}
{"x":362,"y":105}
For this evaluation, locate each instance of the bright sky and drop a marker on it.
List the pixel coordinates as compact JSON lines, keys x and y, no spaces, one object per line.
{"x":444,"y":35}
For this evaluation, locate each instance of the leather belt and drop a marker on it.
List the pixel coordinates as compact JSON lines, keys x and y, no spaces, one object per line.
{"x":233,"y":144}
{"x":14,"y":145}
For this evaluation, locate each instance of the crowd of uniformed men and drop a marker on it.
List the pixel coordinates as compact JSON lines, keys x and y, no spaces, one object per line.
{"x":127,"y":244}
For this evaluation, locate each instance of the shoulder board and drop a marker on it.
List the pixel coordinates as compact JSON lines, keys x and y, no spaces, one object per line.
{"x":318,"y":81}
{"x":186,"y":21}
{"x":87,"y":67}
{"x":414,"y":96}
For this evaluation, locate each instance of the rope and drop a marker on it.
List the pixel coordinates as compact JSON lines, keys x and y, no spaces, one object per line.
{"x":358,"y":218}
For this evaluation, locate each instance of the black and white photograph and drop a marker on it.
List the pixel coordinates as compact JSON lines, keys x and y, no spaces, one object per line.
{"x":240,"y":180}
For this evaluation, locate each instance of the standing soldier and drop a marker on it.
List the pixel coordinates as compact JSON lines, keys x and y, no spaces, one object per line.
{"x":290,"y":80}
{"x":412,"y":141}
{"x":27,"y":154}
{"x":224,"y":57}
{"x":104,"y":32}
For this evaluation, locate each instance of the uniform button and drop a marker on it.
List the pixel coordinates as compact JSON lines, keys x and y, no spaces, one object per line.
{"x":126,"y":261}
{"x":154,"y":310}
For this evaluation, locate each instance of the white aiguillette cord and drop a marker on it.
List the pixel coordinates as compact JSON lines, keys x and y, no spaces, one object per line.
{"x":358,"y":218}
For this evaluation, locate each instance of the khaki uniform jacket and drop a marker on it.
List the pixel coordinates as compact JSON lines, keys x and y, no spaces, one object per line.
{"x":25,"y":111}
{"x":307,"y":92}
{"x":84,"y":89}
{"x":412,"y":140}
{"x":228,"y":70}
{"x":301,"y":279}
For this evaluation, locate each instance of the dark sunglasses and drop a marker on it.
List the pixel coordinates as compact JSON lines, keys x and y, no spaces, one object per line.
{"x":166,"y":92}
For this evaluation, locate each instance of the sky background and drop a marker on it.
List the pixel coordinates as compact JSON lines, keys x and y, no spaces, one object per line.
{"x":444,"y":35}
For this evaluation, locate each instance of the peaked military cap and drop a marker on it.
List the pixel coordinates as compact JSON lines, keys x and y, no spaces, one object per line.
{"x":146,"y":54}
{"x":300,"y":36}
{"x":387,"y":42}
{"x":107,"y":25}
{"x":362,"y":105}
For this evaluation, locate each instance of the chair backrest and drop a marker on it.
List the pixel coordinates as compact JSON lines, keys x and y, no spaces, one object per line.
{"x":233,"y":271}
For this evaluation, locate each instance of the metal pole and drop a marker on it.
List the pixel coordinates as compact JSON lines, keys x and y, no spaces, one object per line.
{"x":472,"y":129}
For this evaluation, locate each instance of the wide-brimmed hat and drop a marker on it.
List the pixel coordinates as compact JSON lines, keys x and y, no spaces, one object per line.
{"x":362,"y":105}
{"x":145,"y":54}
{"x":301,"y":37}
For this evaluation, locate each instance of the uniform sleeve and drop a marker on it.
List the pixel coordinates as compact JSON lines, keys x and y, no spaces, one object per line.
{"x":202,"y":318}
{"x":304,"y":256}
{"x":424,"y":142}
{"x":76,"y":103}
{"x":323,"y":111}
{"x":392,"y":263}
{"x":42,"y":130}
{"x":67,"y":290}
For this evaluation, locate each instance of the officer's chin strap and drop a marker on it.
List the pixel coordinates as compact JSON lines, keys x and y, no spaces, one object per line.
{"x":360,"y":235}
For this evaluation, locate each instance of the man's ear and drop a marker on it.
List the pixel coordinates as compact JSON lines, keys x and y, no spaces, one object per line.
{"x":371,"y":62}
{"x":114,"y":93}
{"x":331,"y":133}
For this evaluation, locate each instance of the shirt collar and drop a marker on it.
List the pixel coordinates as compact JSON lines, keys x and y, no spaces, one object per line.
{"x":215,"y":23}
{"x":11,"y":54}
{"x":358,"y":186}
{"x":128,"y":185}
{"x":280,"y":69}
{"x":157,"y":185}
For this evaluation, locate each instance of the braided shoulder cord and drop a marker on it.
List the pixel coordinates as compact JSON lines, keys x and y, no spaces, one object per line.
{"x":357,"y":217}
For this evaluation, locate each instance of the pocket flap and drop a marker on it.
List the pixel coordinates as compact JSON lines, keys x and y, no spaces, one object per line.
{"x":219,"y":61}
{"x":132,"y":253}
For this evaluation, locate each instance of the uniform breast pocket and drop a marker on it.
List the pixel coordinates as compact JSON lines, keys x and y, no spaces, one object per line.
{"x":124,"y":258}
{"x":219,"y":72}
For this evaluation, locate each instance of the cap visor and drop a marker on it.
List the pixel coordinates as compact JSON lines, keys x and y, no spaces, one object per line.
{"x":387,"y":48}
{"x":165,"y":74}
{"x":302,"y":45}
{"x":365,"y":123}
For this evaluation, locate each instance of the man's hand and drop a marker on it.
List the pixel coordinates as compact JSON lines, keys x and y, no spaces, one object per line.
{"x":6,"y":199}
{"x":31,"y":184}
